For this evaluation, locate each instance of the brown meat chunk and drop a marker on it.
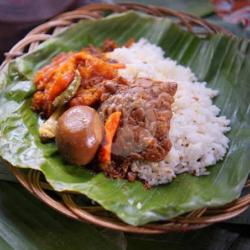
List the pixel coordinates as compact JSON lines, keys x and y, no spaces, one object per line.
{"x":109,"y":45}
{"x":96,"y":90}
{"x":146,"y":114}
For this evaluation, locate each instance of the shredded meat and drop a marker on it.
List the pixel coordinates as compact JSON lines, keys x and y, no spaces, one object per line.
{"x":143,"y":131}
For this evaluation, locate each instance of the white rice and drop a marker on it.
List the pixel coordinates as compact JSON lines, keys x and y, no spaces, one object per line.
{"x":197,"y":130}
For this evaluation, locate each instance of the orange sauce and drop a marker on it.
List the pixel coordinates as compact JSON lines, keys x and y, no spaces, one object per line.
{"x":54,"y":78}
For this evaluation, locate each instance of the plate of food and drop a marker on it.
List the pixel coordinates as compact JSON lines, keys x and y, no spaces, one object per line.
{"x":127,"y":120}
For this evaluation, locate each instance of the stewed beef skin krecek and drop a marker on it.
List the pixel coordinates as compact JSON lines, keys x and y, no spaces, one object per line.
{"x":144,"y":127}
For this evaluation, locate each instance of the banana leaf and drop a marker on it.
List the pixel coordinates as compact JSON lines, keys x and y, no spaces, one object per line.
{"x":42,"y":228}
{"x":27,"y":224}
{"x":220,"y":60}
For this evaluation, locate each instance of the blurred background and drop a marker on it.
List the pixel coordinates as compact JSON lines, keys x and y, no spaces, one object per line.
{"x":17,"y":17}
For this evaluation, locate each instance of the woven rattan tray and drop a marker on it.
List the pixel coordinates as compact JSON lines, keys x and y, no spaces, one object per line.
{"x":66,"y":202}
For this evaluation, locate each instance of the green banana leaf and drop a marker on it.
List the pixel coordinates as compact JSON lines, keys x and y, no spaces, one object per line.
{"x":27,"y":224}
{"x":220,"y":60}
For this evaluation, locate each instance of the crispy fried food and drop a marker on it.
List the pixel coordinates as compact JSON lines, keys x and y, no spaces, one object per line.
{"x":51,"y":81}
{"x":96,"y":90}
{"x":54,"y":78}
{"x":87,"y":97}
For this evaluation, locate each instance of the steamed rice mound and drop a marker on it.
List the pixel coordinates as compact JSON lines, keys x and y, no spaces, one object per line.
{"x":196,"y":129}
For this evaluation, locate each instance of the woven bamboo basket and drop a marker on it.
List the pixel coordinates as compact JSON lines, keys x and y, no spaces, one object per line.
{"x":66,"y":203}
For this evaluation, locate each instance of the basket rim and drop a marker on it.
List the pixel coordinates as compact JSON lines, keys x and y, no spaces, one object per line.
{"x":67,"y":206}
